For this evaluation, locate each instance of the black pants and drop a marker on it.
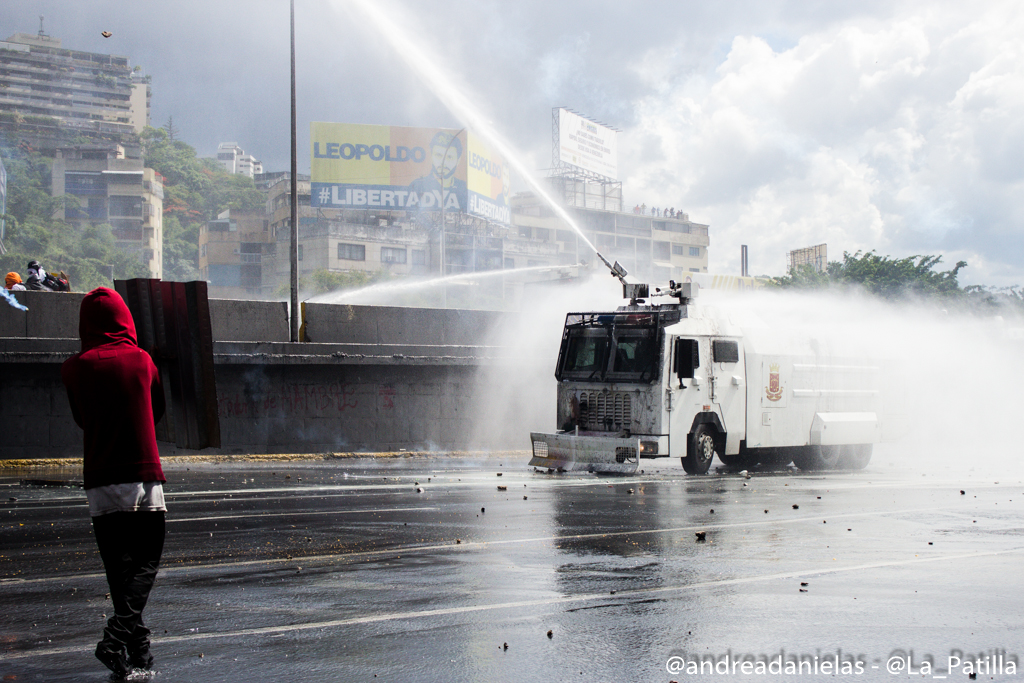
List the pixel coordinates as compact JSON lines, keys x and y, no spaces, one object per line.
{"x":130,"y":544}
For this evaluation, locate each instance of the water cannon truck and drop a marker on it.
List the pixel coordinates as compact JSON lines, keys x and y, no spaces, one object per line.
{"x":679,"y":380}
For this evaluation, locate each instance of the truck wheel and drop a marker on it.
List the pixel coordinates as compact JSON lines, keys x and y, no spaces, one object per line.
{"x":856,"y":457}
{"x":700,"y":451}
{"x":817,"y":457}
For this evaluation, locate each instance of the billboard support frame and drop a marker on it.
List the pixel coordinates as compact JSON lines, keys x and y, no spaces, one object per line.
{"x":567,"y":171}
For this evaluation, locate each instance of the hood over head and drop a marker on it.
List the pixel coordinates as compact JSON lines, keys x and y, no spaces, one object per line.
{"x":12,"y":279}
{"x":105,"y":320}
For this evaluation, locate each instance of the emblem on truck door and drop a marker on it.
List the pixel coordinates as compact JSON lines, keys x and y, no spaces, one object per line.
{"x":774,"y":389}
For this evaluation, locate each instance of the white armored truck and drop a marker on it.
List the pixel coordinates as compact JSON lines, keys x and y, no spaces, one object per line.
{"x":675,"y":380}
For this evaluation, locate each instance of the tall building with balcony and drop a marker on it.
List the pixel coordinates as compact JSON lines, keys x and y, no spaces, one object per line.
{"x":50,"y":94}
{"x":233,"y":251}
{"x":234,"y":159}
{"x":101,"y":186}
{"x":653,"y":247}
{"x":407,"y":244}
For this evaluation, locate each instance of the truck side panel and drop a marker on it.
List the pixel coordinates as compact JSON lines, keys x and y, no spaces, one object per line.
{"x":786,"y":393}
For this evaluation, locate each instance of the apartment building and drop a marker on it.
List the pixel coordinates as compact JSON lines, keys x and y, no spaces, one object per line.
{"x":54,"y":92}
{"x":102,"y":186}
{"x":234,"y":159}
{"x":233,"y":250}
{"x":652,"y":247}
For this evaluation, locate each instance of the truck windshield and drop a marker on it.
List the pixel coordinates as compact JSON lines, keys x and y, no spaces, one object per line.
{"x":616,"y":347}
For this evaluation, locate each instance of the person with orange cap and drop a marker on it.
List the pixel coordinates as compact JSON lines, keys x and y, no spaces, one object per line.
{"x":13,"y":282}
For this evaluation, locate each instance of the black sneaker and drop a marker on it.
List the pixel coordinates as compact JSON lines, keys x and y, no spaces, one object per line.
{"x":141,"y":659}
{"x":113,"y":658}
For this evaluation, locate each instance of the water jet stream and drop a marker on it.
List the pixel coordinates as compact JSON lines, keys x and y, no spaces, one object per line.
{"x":385,"y":287}
{"x":407,"y":48}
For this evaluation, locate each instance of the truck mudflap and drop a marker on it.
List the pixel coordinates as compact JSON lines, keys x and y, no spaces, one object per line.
{"x":586,"y":453}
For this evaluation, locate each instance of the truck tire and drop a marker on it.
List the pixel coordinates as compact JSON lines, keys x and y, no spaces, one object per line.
{"x":857,"y":456}
{"x":813,"y":458}
{"x":700,"y":450}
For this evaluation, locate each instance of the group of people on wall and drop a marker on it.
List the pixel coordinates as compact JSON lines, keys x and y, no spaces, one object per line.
{"x":38,"y":280}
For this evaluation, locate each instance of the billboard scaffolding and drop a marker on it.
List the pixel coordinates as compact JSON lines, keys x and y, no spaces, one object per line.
{"x":816,"y":257}
{"x":584,"y":159}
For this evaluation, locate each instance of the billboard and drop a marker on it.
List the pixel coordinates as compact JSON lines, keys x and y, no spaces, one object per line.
{"x":587,"y":145}
{"x":357,"y":166}
{"x":489,"y":181}
{"x":397,"y":168}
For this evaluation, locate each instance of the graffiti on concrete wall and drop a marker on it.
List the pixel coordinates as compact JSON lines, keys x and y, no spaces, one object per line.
{"x":300,"y":400}
{"x":387,"y":393}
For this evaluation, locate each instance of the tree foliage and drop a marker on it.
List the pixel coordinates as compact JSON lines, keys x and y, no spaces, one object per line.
{"x":883,"y":276}
{"x":195,"y":191}
{"x":88,"y":256}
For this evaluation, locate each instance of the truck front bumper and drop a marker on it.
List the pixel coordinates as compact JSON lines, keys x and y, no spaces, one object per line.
{"x":590,"y":453}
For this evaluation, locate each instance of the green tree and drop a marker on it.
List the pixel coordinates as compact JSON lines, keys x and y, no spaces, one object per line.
{"x":883,"y":276}
{"x":88,"y":257}
{"x":195,"y":191}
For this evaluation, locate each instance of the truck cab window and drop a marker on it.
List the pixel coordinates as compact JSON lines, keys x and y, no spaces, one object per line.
{"x":633,"y":354}
{"x":586,"y":354}
{"x":723,"y":351}
{"x":686,"y":358}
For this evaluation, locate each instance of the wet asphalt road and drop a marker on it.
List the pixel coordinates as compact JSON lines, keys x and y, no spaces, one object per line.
{"x":342,"y":571}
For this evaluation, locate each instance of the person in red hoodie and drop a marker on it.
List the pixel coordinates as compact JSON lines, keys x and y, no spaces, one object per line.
{"x":116,"y":398}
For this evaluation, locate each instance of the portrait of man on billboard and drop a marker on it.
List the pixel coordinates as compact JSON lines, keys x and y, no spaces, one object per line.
{"x":445,"y":152}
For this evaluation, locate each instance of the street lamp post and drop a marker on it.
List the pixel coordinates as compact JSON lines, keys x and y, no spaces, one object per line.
{"x":444,"y":285}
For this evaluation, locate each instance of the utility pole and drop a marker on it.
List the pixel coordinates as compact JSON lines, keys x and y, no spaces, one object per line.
{"x":294,"y":250}
{"x":444,"y":285}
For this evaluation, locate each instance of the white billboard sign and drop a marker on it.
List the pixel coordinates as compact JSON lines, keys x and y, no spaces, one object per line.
{"x":587,"y":145}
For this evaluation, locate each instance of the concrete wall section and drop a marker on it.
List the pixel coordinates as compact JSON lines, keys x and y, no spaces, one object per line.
{"x":272,"y":408}
{"x":55,"y":315}
{"x":345,"y":324}
{"x":282,"y":409}
{"x":49,"y":314}
{"x":236,"y":320}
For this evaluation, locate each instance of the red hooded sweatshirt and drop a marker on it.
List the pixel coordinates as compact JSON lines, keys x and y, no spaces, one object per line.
{"x":115,"y":394}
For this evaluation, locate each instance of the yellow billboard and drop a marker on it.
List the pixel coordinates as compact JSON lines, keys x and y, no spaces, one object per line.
{"x":359,"y":166}
{"x":489,"y":181}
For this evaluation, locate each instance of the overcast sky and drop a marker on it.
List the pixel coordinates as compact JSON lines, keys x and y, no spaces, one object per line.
{"x":896,"y":126}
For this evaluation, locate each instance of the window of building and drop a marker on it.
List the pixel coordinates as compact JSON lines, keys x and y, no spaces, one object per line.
{"x":419,"y":257}
{"x":525,"y":231}
{"x":627,"y":243}
{"x":542,"y":234}
{"x":604,"y":241}
{"x":202,"y":250}
{"x":694,"y":270}
{"x":351,"y":252}
{"x":662,"y":251}
{"x":566,"y":236}
{"x":392,"y":255}
{"x":534,"y":264}
{"x":300,"y":252}
{"x":510,"y":263}
{"x":678,"y":249}
{"x":695,"y":251}
{"x":125,"y":206}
